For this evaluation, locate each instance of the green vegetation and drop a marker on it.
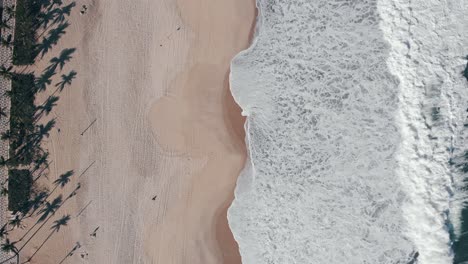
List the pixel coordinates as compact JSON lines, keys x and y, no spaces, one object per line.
{"x":21,"y":119}
{"x":19,"y":186}
{"x":40,"y":24}
{"x":27,"y":20}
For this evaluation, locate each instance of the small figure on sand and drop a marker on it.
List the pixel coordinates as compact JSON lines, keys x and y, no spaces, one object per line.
{"x":78,"y":186}
{"x":84,"y":254}
{"x":154,"y":197}
{"x":84,"y":9}
{"x":77,"y":246}
{"x":94,"y":233}
{"x":178,"y":28}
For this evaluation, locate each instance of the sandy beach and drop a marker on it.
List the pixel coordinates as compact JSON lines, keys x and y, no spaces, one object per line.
{"x":151,"y":132}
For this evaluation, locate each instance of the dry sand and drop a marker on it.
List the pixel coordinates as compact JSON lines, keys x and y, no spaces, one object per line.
{"x":154,"y":76}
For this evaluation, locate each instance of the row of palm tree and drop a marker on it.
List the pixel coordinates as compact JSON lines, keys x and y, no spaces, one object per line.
{"x":47,"y":211}
{"x":6,"y":72}
{"x":54,"y":13}
{"x":10,"y":246}
{"x":63,"y":221}
{"x":7,"y":246}
{"x":41,"y":84}
{"x":6,"y":41}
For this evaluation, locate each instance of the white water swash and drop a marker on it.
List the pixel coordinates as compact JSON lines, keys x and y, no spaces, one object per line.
{"x":354,"y":110}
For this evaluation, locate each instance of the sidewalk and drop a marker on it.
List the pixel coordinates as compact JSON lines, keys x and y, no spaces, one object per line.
{"x":6,"y":54}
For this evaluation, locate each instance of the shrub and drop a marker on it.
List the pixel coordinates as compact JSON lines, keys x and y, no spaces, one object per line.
{"x":27,"y":12}
{"x":19,"y":190}
{"x":21,"y":118}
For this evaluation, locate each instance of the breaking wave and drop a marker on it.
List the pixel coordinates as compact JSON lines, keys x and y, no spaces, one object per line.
{"x":355,"y":113}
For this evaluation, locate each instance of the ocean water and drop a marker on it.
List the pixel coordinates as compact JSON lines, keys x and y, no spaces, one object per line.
{"x":355,"y":129}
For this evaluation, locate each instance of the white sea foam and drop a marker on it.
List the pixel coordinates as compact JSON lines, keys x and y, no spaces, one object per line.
{"x":354,"y":109}
{"x":429,"y":41}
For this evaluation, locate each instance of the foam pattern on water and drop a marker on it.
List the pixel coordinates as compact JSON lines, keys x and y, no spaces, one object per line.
{"x":322,"y":138}
{"x":331,"y":176}
{"x":429,"y":43}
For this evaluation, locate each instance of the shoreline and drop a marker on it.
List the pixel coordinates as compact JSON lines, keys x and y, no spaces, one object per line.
{"x":241,"y":133}
{"x":216,"y":132}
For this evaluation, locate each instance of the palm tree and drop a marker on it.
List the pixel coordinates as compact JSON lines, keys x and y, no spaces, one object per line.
{"x":4,"y":24}
{"x":3,"y":232}
{"x":9,"y":93}
{"x":6,"y":135}
{"x":9,"y":247}
{"x":10,"y":11}
{"x":3,"y":113}
{"x":15,"y":222}
{"x":4,"y":191}
{"x":7,"y":42}
{"x":66,"y":80}
{"x":64,"y":57}
{"x":3,"y":161}
{"x":6,"y":72}
{"x":50,"y":208}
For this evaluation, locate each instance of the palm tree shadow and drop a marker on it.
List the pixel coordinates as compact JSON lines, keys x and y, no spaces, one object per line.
{"x":64,"y":57}
{"x":58,"y":224}
{"x":71,"y":252}
{"x":51,"y":26}
{"x":49,"y":210}
{"x":9,"y":246}
{"x":52,"y":39}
